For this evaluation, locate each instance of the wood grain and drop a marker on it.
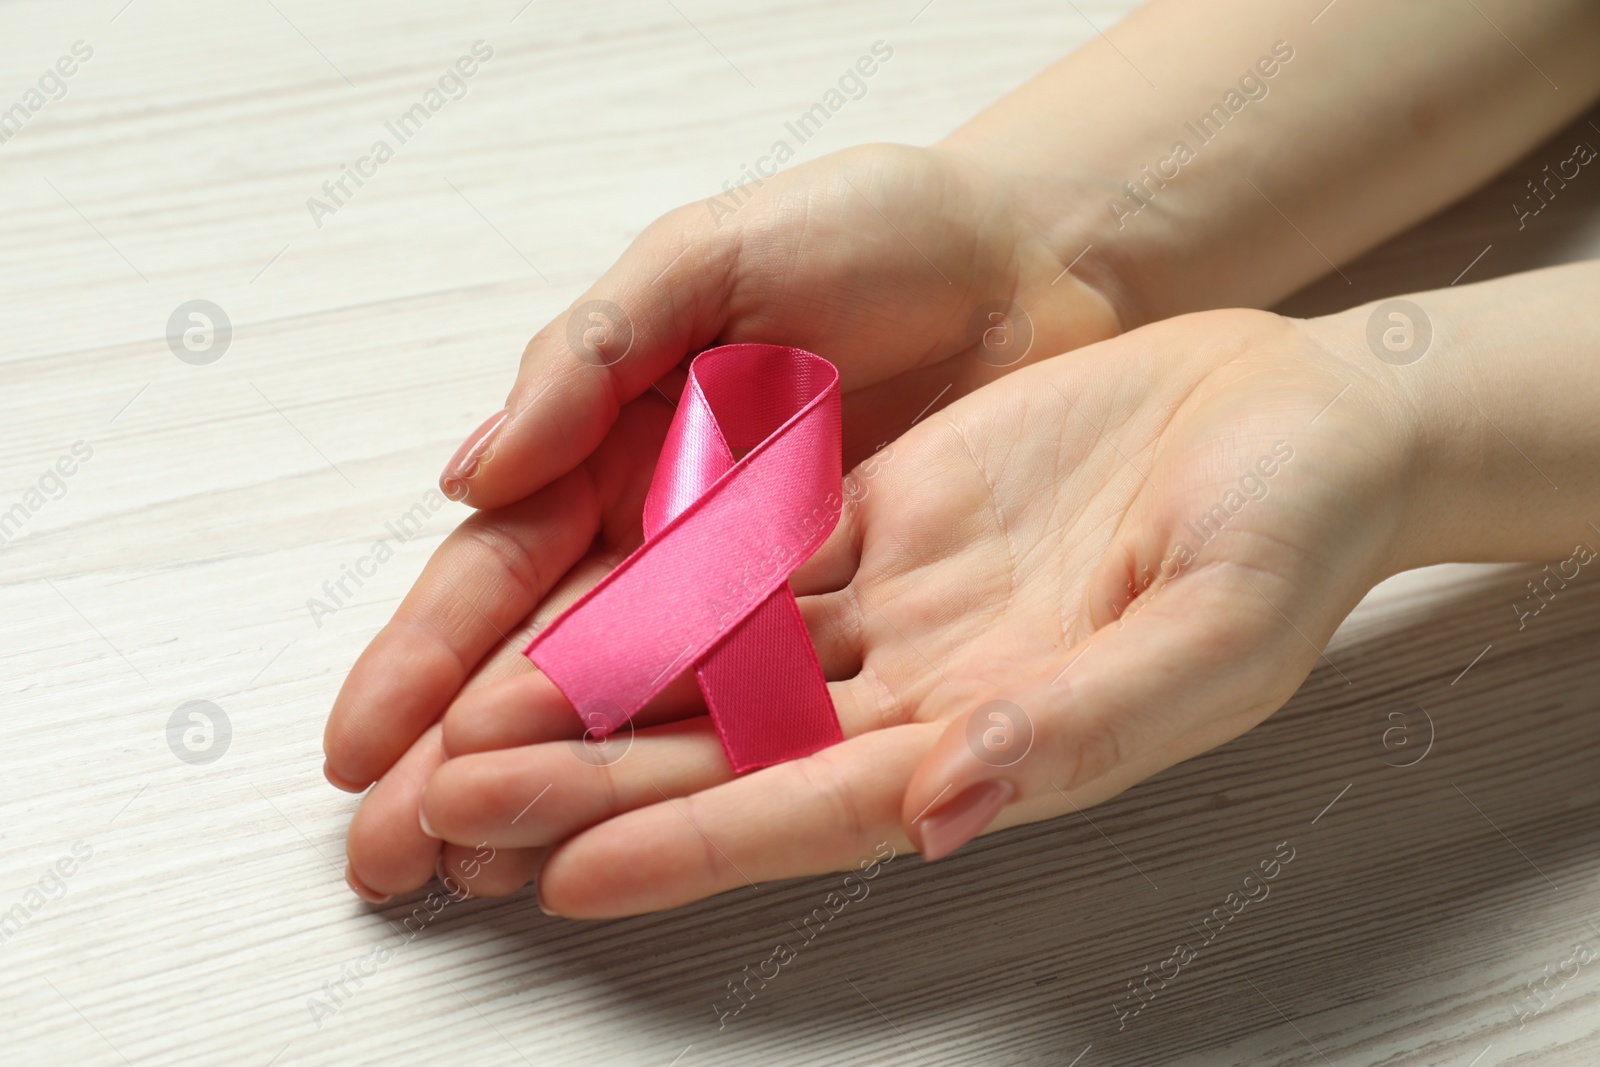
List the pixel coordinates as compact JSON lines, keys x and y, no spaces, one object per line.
{"x":1420,"y":903}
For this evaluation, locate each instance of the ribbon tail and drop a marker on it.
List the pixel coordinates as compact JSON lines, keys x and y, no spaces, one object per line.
{"x":768,"y":657}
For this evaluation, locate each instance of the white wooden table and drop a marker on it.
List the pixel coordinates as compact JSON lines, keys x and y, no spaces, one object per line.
{"x":157,"y":911}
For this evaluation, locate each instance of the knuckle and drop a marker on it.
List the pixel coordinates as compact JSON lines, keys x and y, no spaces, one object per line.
{"x":1094,"y":748}
{"x":830,"y":782}
{"x":514,"y":562}
{"x":718,"y":869}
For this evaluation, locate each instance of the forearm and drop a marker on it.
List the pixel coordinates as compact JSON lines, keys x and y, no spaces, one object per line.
{"x":1337,"y":134}
{"x":1500,"y":415}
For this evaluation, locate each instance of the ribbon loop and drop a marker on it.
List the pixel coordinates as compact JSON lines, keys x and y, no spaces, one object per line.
{"x":709,"y":586}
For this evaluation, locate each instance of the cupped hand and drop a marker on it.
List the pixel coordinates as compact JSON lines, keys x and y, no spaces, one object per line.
{"x":1081,"y":574}
{"x":914,"y":270}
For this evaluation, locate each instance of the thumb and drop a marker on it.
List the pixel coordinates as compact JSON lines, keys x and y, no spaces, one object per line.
{"x":1203,"y":660}
{"x":662,"y":299}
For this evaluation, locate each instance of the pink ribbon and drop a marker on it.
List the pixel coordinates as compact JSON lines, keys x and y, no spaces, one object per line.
{"x":710,"y":585}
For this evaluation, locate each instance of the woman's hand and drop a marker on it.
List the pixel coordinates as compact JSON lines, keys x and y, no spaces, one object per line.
{"x":1084,"y":573}
{"x":896,"y":263}
{"x":889,"y":260}
{"x":906,"y":267}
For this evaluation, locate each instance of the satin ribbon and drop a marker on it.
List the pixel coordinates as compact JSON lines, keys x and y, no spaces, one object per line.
{"x":709,"y":586}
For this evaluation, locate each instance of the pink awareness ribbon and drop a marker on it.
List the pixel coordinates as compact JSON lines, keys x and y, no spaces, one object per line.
{"x":710,"y":585}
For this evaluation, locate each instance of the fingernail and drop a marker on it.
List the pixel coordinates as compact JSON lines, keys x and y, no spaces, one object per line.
{"x":357,"y":886}
{"x":427,"y":828}
{"x":464,"y":464}
{"x":962,"y":817}
{"x":538,"y":898}
{"x":339,"y":782}
{"x":442,"y":872}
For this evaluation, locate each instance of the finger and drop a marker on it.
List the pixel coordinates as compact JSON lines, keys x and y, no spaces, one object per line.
{"x":506,"y":659}
{"x":527,"y":709}
{"x":663,"y":298}
{"x":479,"y":584}
{"x":507,"y":703}
{"x":829,"y":811}
{"x":485,"y":871}
{"x":1206,"y":659}
{"x":540,"y":793}
{"x":387,"y":849}
{"x":474,"y":592}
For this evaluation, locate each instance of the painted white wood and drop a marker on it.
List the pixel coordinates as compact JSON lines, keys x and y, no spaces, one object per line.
{"x":1418,"y":906}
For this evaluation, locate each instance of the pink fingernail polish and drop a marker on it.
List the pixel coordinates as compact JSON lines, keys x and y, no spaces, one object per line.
{"x":362,"y":890}
{"x":464,"y":464}
{"x":963,"y":817}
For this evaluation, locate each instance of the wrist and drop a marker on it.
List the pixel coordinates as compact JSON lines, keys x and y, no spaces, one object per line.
{"x":1064,"y":209}
{"x":1490,"y":392}
{"x":1406,"y":438}
{"x":1147,"y":192}
{"x":1071,"y":299}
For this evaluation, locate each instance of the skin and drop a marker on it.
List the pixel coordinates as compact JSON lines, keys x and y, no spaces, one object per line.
{"x":1023,"y":531}
{"x":1385,"y":114}
{"x":879,"y":258}
{"x":994,"y":545}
